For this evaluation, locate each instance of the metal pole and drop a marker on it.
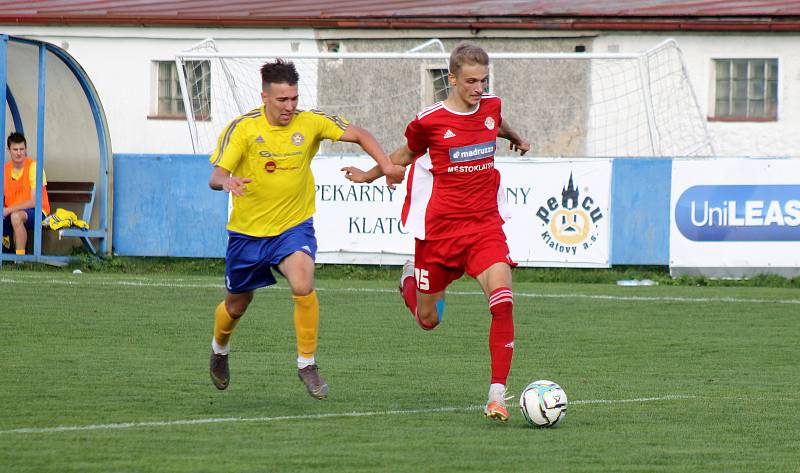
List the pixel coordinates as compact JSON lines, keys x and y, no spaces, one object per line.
{"x":647,"y":98}
{"x":40,"y":105}
{"x":3,"y":85}
{"x":187,"y":103}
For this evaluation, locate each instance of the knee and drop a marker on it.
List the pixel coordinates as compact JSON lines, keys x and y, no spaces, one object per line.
{"x":303,"y":289}
{"x":237,"y":307}
{"x":17,"y":218}
{"x":429,"y":316}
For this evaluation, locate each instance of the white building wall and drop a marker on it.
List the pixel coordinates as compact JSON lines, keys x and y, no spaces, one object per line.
{"x":118,"y":60}
{"x":777,"y":138}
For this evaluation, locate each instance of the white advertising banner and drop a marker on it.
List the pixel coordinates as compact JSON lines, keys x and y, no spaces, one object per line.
{"x":559,"y":213}
{"x":734,"y":217}
{"x":358,"y":223}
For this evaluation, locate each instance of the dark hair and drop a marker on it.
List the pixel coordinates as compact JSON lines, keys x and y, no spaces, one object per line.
{"x":16,"y":137}
{"x":278,"y":72}
{"x":467,"y":53}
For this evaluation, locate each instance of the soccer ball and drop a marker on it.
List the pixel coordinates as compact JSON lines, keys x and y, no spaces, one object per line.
{"x":543,"y":403}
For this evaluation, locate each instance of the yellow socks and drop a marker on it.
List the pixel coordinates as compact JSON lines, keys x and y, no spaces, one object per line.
{"x":306,"y":324}
{"x":223,"y":325}
{"x":20,"y":252}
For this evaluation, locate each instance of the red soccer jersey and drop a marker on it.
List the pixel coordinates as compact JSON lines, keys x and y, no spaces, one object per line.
{"x":454,"y":189}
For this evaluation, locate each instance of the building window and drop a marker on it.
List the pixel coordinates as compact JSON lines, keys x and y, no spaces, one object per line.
{"x":169,"y":101}
{"x":745,"y":90}
{"x":438,"y":85}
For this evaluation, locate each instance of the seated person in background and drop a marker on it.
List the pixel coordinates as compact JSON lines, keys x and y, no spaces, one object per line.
{"x":19,"y":193}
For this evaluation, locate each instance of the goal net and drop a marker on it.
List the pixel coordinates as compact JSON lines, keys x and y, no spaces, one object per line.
{"x":565,"y":104}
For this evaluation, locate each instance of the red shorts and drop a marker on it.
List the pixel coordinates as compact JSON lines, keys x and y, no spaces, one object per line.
{"x":437,"y":263}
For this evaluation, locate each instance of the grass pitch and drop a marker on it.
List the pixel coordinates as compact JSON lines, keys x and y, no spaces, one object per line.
{"x":110,"y":373}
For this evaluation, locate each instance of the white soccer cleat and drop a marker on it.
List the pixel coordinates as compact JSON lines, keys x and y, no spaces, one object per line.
{"x":496,"y":407}
{"x":408,"y":271}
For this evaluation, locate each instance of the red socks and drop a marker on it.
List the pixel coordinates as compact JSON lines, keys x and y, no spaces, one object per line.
{"x":501,"y":333}
{"x":409,"y":293}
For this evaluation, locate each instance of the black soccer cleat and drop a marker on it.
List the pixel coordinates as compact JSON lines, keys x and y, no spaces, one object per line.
{"x":218,"y":367}
{"x":317,"y":387}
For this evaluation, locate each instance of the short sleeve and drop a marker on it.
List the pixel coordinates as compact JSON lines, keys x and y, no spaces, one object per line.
{"x":230,"y":146}
{"x":330,"y":127}
{"x":499,"y":112}
{"x":32,"y":176}
{"x":416,"y":137}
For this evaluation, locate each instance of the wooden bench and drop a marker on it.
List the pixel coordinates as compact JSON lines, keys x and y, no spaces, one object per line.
{"x":75,"y":192}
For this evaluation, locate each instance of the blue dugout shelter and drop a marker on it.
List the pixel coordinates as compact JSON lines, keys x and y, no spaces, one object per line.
{"x":50,"y":99}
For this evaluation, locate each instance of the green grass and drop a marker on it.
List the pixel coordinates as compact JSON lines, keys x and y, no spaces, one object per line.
{"x":215,"y":266}
{"x":106,"y":349}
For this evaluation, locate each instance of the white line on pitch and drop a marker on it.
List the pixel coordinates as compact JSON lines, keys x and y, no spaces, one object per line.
{"x":606,"y":297}
{"x":639,"y":399}
{"x":595,"y":296}
{"x":116,"y":283}
{"x":220,"y":420}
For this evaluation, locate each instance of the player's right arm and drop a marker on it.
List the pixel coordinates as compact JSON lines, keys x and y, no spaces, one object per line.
{"x":229,"y":151}
{"x":403,"y":156}
{"x":517,"y":142}
{"x":222,"y":180}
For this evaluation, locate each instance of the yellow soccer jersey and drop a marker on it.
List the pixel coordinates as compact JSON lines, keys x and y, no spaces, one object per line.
{"x":31,"y":175}
{"x":278,"y":160}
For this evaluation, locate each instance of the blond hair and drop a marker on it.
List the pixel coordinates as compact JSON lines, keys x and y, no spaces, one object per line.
{"x":467,"y":53}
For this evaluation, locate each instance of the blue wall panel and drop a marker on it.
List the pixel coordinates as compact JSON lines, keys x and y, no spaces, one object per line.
{"x":164,"y":207}
{"x":640,"y":210}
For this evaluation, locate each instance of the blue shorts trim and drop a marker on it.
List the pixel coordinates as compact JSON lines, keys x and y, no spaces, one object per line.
{"x":249,"y":260}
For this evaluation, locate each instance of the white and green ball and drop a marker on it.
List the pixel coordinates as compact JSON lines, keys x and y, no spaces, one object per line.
{"x":543,"y":403}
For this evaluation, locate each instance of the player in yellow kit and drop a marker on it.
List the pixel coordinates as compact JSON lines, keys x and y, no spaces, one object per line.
{"x":263,"y":158}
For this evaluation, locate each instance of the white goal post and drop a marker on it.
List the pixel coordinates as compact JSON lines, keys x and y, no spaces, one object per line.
{"x":566,"y":104}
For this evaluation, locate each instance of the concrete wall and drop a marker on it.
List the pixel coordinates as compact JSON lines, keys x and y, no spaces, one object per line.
{"x":384,"y":95}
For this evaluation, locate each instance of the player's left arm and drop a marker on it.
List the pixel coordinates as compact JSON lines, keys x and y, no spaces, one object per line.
{"x":362,"y":137}
{"x":402,"y":156}
{"x":518,"y":143}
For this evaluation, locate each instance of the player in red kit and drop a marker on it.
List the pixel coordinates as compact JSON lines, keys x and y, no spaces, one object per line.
{"x":453,"y":209}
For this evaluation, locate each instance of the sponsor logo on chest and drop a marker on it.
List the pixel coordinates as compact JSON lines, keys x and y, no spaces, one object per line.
{"x":472,"y":152}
